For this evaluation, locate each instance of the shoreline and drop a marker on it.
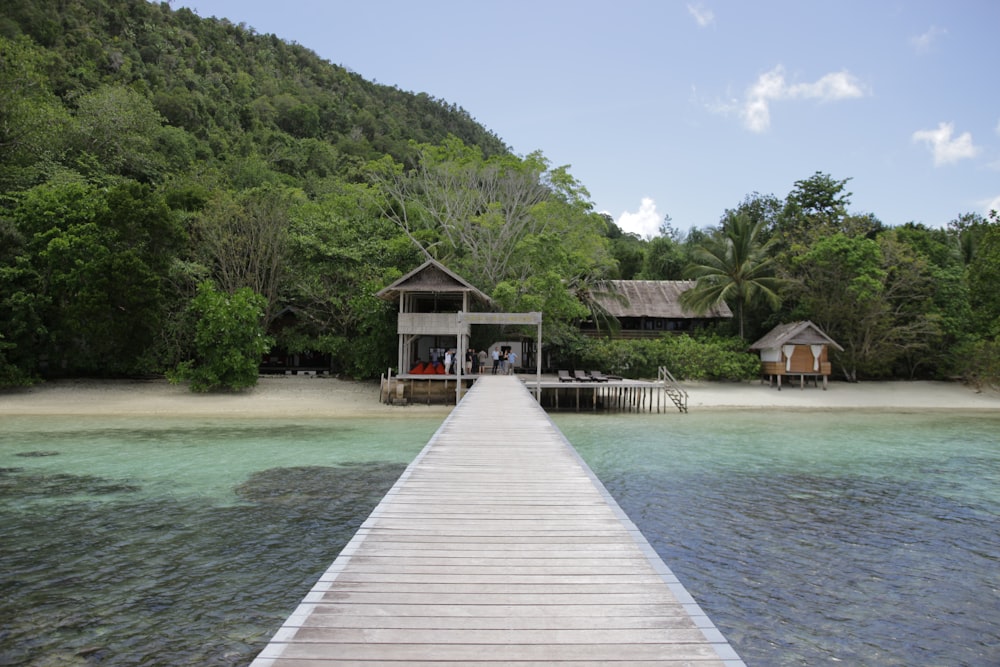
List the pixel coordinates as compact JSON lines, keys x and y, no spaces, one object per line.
{"x":887,"y":396}
{"x":319,"y":397}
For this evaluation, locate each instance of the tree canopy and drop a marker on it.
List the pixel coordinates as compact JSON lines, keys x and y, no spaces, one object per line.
{"x":163,"y":173}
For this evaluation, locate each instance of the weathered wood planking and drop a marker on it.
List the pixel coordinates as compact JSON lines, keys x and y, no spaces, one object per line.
{"x":497,"y":546}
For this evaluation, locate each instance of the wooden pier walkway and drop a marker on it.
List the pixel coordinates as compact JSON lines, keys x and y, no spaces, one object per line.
{"x":498,"y":546}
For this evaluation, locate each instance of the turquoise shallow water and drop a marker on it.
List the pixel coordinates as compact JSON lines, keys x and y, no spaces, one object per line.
{"x":820,"y":538}
{"x":172,"y":542}
{"x":204,"y":458}
{"x":809,"y":538}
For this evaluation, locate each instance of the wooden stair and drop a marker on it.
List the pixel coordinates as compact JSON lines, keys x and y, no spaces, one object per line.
{"x":672,"y":388}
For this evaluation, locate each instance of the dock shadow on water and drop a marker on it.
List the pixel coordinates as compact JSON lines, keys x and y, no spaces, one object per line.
{"x":98,"y":571}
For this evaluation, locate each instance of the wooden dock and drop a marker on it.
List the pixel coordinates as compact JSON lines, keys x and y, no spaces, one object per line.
{"x":498,"y":545}
{"x":615,"y":395}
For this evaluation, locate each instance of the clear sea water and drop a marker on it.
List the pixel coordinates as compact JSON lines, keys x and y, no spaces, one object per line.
{"x":809,"y":538}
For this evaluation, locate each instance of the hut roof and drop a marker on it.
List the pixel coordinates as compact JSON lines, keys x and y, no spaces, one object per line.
{"x":803,"y":332}
{"x":650,"y":298}
{"x":431,"y":277}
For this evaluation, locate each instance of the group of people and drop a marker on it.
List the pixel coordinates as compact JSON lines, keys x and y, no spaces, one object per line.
{"x":504,"y":361}
{"x":476,"y":363}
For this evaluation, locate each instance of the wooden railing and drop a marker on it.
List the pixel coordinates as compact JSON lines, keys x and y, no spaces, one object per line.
{"x":673,"y":389}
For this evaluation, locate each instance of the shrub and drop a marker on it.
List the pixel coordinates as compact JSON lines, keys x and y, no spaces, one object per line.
{"x":229,"y":340}
{"x":710,"y":357}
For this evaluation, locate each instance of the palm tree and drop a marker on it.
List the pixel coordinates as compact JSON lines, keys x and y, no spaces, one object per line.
{"x":732,"y":266}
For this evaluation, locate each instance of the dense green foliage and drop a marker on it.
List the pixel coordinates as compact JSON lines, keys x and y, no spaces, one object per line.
{"x":145,"y":151}
{"x":707,"y":357}
{"x":229,"y":340}
{"x":84,"y":289}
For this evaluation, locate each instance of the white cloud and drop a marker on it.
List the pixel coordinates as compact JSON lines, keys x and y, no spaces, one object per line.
{"x":945,"y":149}
{"x":771,"y":86}
{"x":703,"y":17}
{"x":993,"y":205}
{"x":645,"y":222}
{"x":923,"y":43}
{"x":720,"y":107}
{"x":997,"y":128}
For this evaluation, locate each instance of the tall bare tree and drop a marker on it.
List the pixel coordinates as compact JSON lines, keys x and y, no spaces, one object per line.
{"x":454,"y":204}
{"x":244,"y":241}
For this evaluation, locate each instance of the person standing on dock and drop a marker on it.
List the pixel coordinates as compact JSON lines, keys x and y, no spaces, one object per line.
{"x":496,"y":360}
{"x":482,"y":361}
{"x":511,"y":361}
{"x":448,"y":360}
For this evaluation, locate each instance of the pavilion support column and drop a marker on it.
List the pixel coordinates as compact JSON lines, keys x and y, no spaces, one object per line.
{"x":403,"y":367}
{"x":538,"y":361}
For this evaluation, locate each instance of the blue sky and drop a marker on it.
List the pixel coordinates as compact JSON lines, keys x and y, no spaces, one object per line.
{"x":684,"y":108}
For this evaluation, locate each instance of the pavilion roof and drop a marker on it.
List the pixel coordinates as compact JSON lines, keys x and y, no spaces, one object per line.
{"x":431,"y":277}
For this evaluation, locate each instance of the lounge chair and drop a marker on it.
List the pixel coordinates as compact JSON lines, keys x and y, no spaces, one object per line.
{"x":581,"y":376}
{"x":598,"y":376}
{"x":564,"y":376}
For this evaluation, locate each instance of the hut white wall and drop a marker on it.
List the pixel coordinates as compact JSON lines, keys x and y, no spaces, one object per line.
{"x":771,"y":354}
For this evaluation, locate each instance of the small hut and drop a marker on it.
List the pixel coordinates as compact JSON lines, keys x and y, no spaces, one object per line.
{"x":795,"y":348}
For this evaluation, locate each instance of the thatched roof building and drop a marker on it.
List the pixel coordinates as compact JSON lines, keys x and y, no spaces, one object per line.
{"x":650,"y":307}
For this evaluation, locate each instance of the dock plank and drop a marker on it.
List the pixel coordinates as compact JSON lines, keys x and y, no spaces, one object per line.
{"x":497,"y":546}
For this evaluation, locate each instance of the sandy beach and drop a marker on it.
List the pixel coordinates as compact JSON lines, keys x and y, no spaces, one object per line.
{"x":273,"y":397}
{"x":298,"y":396}
{"x":894,"y":396}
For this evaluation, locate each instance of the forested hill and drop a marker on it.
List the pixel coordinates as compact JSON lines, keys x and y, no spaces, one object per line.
{"x":180,"y":193}
{"x":224,"y":91}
